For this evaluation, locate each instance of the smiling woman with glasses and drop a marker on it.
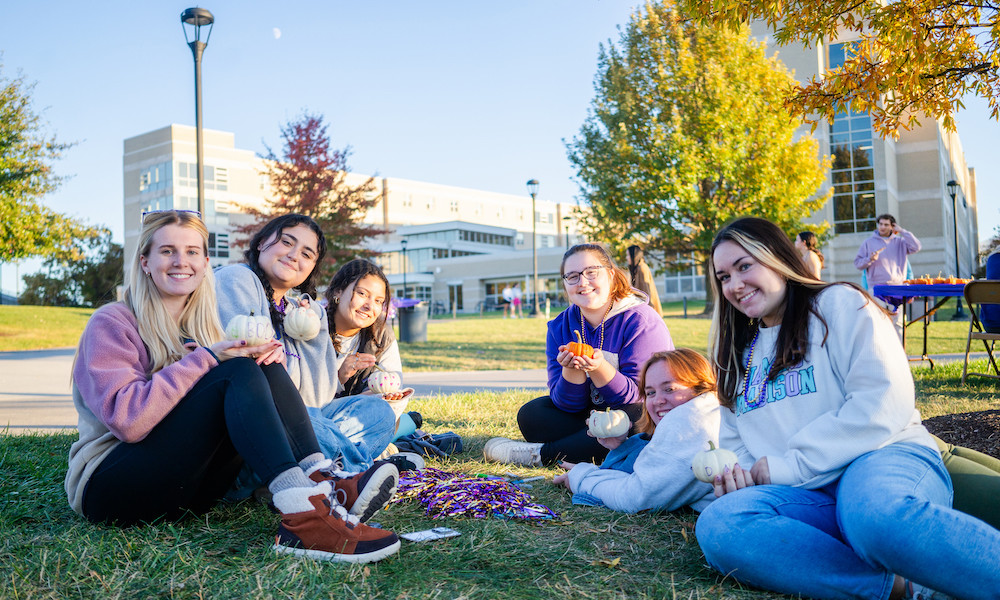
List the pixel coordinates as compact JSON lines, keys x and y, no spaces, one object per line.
{"x":617,"y":321}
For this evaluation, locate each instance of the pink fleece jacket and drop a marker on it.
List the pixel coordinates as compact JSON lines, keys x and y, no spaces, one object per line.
{"x":116,"y":399}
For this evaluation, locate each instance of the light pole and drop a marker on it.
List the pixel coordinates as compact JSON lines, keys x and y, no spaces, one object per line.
{"x":403,"y":244}
{"x":194,"y":19}
{"x":533,"y":190}
{"x":952,"y":191}
{"x":566,"y":221}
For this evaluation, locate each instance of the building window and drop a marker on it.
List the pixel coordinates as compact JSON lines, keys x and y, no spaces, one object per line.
{"x":155,"y":177}
{"x":853,"y":172}
{"x":218,"y":245}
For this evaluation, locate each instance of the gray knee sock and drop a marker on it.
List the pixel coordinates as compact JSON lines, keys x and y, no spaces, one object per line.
{"x":292,"y":478}
{"x":308,"y":462}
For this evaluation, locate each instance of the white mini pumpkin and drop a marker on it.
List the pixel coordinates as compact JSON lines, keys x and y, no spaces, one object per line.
{"x":301,"y":323}
{"x":383,"y":382}
{"x":254,"y":329}
{"x":709,"y":463}
{"x":609,"y":423}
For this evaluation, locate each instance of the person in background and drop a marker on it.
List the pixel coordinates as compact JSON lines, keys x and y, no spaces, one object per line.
{"x":838,"y":491}
{"x":651,"y":470}
{"x":883,"y":258}
{"x":623,"y":331}
{"x":807,"y":244}
{"x":506,"y":298}
{"x":642,"y":278}
{"x":515,"y":302}
{"x":169,"y":410}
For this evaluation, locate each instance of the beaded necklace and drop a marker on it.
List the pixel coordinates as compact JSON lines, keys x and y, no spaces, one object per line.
{"x":746,"y":375}
{"x":583,"y":329}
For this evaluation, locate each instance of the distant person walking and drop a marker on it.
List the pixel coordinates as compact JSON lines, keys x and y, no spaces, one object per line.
{"x":642,"y":277}
{"x":515,"y":302}
{"x":883,"y":258}
{"x":808,"y":246}
{"x":506,"y":297}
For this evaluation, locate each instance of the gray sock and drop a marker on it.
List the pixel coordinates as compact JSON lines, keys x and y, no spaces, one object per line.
{"x":308,"y":462}
{"x":291,"y":478}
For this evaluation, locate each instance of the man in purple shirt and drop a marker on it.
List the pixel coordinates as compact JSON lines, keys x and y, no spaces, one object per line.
{"x":883,"y":258}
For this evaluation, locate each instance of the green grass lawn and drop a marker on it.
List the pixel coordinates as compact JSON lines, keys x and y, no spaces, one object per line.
{"x":49,"y":552}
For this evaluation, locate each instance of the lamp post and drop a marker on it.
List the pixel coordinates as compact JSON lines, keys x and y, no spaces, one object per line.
{"x":566,"y":221}
{"x":533,"y":190}
{"x":403,"y":244}
{"x":953,"y":192}
{"x":194,"y":19}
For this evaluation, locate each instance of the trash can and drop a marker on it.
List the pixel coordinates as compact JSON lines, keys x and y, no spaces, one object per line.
{"x":413,"y":323}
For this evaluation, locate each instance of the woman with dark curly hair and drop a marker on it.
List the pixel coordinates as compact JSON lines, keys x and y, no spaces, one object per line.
{"x":278,"y":276}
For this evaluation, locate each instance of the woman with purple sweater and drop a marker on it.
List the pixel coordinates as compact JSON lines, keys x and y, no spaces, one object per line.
{"x":617,"y":321}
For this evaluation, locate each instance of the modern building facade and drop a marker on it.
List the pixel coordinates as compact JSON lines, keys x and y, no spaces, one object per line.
{"x":452,"y":235}
{"x":907,"y":177}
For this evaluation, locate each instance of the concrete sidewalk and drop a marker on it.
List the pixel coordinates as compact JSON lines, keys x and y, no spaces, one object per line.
{"x":35,"y":388}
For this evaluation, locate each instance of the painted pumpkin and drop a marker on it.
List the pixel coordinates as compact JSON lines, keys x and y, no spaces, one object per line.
{"x":706,"y":465}
{"x":254,"y":329}
{"x":382,"y":382}
{"x":301,"y":323}
{"x":578,"y":348}
{"x":609,"y":423}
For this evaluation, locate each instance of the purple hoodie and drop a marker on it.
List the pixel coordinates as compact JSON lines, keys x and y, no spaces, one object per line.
{"x":891,"y":264}
{"x":632,"y":333}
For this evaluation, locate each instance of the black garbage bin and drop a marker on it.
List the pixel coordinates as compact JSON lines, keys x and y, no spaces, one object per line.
{"x":413,"y":323}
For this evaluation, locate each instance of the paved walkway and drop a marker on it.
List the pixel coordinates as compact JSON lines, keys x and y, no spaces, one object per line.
{"x":35,"y":387}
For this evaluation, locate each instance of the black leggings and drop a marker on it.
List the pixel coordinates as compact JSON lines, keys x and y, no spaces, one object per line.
{"x":564,"y":434}
{"x":237,"y":411}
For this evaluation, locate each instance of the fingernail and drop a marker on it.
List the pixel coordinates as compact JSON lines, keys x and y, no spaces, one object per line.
{"x":727,"y":469}
{"x":243,"y":342}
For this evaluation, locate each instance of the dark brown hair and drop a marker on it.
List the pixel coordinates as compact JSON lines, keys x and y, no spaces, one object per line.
{"x":259,"y":241}
{"x":812,"y":244}
{"x":346,"y":276}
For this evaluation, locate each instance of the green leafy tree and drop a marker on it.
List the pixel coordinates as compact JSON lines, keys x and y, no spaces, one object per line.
{"x":912,"y":58}
{"x":686,"y":132}
{"x":28,"y":228}
{"x":310,"y":178}
{"x":91,"y":281}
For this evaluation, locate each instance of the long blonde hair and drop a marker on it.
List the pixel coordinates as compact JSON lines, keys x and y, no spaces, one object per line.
{"x":159,"y":331}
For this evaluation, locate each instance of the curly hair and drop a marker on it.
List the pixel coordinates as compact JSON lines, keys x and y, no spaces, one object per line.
{"x":346,"y":276}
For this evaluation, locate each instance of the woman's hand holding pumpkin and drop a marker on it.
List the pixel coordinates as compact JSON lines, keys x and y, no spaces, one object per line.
{"x":227,"y":349}
{"x":354,"y":363}
{"x":737,"y":478}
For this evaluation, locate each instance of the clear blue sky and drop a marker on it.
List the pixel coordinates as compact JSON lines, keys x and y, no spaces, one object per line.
{"x":472,"y":94}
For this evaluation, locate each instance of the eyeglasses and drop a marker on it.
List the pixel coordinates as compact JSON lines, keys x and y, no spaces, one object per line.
{"x":590,"y":273}
{"x":146,"y":213}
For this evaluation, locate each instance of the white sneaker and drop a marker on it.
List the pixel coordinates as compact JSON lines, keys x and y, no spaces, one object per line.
{"x":915,"y":591}
{"x":504,"y":450}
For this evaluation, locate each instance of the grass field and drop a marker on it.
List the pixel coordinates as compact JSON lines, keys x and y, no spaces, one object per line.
{"x":589,"y":553}
{"x":467,"y":343}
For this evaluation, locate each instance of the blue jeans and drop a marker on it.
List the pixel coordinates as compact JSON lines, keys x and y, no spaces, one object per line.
{"x":890,"y":513}
{"x":354,"y":430}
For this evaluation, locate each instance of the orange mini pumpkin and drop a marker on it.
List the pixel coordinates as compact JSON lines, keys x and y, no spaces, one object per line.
{"x":578,"y":348}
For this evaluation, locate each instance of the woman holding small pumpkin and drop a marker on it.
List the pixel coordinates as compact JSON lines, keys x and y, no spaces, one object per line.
{"x":278,"y":280}
{"x":652,"y":468}
{"x":595,"y":349}
{"x":169,"y":410}
{"x":846,"y":495}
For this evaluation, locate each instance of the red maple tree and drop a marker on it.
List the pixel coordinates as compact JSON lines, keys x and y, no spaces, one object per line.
{"x":310,"y":178}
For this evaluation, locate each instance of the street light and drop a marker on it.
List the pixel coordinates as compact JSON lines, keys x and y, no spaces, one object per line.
{"x":403,"y":244}
{"x":533,"y":190}
{"x":953,"y":191}
{"x":566,"y":221}
{"x":194,"y":19}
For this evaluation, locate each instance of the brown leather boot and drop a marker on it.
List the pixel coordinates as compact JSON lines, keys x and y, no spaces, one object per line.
{"x":315,"y":525}
{"x":363,"y":494}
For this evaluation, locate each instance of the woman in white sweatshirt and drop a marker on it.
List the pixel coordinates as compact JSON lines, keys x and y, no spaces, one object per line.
{"x":839,"y":492}
{"x":651,"y":470}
